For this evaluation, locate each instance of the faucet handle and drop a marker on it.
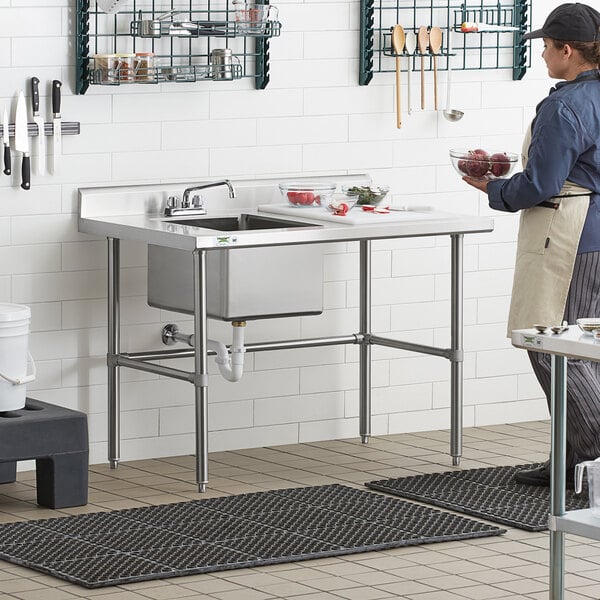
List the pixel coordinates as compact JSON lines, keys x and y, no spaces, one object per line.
{"x":197,"y":201}
{"x":172,"y":202}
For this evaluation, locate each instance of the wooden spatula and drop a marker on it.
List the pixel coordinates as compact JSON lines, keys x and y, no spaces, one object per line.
{"x":435,"y":45}
{"x":422,"y":42}
{"x":398,"y":39}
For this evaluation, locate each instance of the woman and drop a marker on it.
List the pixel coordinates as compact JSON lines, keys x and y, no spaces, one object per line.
{"x":557,"y":270}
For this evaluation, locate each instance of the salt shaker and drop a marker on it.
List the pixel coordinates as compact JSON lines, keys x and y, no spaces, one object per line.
{"x":221,"y":60}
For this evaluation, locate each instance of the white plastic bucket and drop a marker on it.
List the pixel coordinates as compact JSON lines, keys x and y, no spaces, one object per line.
{"x":14,"y":356}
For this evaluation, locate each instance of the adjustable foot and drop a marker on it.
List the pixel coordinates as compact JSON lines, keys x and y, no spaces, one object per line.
{"x":202,"y":488}
{"x":114,"y":463}
{"x":364,"y":439}
{"x":455,"y":461}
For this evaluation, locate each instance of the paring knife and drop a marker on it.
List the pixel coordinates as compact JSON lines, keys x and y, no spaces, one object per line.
{"x":56,"y":130}
{"x":6,"y":142}
{"x":39,"y":121}
{"x":22,"y":141}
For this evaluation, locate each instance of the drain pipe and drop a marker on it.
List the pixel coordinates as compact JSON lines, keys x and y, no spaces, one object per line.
{"x":231,"y":366}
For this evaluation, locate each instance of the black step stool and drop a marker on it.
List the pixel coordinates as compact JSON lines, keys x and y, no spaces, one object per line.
{"x":58,"y":440}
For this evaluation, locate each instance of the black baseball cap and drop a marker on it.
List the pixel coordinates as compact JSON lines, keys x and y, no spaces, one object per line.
{"x":570,"y":22}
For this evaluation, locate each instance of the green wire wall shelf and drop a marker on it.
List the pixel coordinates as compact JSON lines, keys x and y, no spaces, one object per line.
{"x":177,"y":56}
{"x":504,"y":48}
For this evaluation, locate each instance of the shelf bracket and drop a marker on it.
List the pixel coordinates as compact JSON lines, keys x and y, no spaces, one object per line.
{"x":521,"y":8}
{"x":366,"y":41}
{"x":82,"y":47}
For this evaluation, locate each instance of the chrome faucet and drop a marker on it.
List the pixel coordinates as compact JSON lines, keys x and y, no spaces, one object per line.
{"x":203,"y":186}
{"x":197,"y":205}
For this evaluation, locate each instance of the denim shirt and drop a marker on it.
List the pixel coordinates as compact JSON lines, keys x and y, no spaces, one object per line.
{"x":565,"y":144}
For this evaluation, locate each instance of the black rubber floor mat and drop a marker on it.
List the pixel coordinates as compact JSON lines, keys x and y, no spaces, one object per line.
{"x":154,"y":542}
{"x":490,"y":493}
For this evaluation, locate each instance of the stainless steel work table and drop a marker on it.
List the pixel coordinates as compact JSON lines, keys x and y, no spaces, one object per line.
{"x":573,"y":343}
{"x":134,"y":213}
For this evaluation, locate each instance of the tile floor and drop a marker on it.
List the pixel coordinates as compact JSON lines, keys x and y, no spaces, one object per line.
{"x":513,"y":566}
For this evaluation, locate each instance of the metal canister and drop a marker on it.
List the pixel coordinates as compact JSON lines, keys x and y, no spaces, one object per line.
{"x":221,"y":61}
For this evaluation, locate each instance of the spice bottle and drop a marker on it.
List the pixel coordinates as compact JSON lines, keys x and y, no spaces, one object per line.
{"x":144,"y":66}
{"x":221,"y":60}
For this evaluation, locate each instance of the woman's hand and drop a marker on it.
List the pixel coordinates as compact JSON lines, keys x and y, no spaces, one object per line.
{"x":480,"y":184}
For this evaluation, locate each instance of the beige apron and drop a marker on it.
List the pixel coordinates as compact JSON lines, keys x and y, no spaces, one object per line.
{"x":546,"y":251}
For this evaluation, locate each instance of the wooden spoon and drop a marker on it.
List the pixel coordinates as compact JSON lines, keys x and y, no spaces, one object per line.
{"x":435,"y":45}
{"x":398,"y":39}
{"x":422,"y":42}
{"x":411,"y":45}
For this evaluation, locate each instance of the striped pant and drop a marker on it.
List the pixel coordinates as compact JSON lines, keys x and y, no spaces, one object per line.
{"x":583,"y":377}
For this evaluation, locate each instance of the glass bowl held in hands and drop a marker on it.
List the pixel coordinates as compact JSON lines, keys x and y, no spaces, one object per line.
{"x":482,"y":165}
{"x":366,"y":194}
{"x":304,"y":194}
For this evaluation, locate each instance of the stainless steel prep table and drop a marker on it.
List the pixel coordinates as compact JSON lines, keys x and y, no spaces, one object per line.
{"x":134,"y":213}
{"x":571,"y":344}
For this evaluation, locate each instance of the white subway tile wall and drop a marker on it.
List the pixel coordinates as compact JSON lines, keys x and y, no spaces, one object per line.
{"x":313,"y":119}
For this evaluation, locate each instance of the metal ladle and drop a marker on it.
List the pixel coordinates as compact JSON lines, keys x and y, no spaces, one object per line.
{"x":450,"y":114}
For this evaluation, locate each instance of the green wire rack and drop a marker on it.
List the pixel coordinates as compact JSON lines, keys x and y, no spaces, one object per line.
{"x":177,"y":59}
{"x":504,"y":48}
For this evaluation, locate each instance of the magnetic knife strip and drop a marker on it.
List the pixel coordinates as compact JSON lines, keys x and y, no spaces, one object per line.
{"x":66,"y":128}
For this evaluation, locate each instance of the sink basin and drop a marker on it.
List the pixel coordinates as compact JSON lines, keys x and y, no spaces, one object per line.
{"x":242,"y":283}
{"x":243,"y":222}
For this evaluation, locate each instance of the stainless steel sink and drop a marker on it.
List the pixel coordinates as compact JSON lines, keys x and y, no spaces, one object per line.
{"x":243,"y":222}
{"x":243,"y":283}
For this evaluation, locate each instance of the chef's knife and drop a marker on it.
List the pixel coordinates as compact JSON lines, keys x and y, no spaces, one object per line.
{"x":39,"y":121}
{"x":22,"y":141}
{"x":56,"y":130}
{"x":6,"y":142}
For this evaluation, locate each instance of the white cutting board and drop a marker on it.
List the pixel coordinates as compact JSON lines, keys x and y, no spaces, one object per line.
{"x":356,"y":216}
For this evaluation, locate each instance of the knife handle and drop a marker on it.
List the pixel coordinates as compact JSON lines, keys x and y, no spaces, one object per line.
{"x":7,"y":169}
{"x":56,"y":84}
{"x":35,"y":95}
{"x":26,"y":172}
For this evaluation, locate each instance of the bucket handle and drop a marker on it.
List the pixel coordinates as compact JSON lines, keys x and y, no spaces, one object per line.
{"x":22,"y":380}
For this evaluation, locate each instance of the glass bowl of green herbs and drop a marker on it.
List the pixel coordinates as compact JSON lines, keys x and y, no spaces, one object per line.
{"x":366,"y":194}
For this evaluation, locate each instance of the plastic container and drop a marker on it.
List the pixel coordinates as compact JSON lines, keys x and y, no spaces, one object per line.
{"x":14,"y":354}
{"x":104,"y":65}
{"x":307,"y":194}
{"x":593,"y":477}
{"x":480,"y":164}
{"x":144,"y":66}
{"x":125,"y":67}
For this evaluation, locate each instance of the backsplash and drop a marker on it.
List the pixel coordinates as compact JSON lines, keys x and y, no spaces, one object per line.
{"x":313,"y":118}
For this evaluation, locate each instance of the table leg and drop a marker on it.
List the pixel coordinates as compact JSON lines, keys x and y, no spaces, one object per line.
{"x":114,"y":348}
{"x":200,"y":369}
{"x":456,"y":346}
{"x":558,"y":410}
{"x":364,"y":388}
{"x":558,"y":400}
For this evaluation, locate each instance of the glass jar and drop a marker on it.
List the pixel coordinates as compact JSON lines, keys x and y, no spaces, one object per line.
{"x":144,"y":66}
{"x":104,"y":68}
{"x":124,"y":67}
